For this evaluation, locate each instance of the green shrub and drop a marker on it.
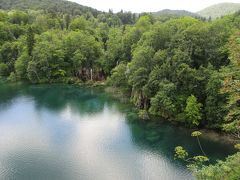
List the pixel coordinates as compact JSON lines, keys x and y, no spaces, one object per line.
{"x":223,"y":170}
{"x":12,"y":77}
{"x":3,"y":69}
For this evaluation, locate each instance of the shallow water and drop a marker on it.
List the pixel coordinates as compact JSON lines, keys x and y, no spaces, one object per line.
{"x":61,"y":132}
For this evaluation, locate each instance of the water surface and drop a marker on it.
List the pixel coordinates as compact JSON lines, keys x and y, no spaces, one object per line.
{"x":61,"y":132}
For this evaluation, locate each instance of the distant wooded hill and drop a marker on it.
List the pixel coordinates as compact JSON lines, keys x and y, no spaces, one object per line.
{"x":168,"y":12}
{"x":74,"y":9}
{"x":70,"y":8}
{"x":219,"y":10}
{"x":60,"y":6}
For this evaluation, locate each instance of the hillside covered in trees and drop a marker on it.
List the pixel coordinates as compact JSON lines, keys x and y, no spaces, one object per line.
{"x":67,"y":8}
{"x":219,"y":10}
{"x":176,"y":13}
{"x":169,"y":68}
{"x":59,"y":6}
{"x":181,"y":69}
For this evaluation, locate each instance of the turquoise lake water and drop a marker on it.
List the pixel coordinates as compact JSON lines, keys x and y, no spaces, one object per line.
{"x":63,"y":132}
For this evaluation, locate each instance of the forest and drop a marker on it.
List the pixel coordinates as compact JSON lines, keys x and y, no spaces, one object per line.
{"x":181,"y":69}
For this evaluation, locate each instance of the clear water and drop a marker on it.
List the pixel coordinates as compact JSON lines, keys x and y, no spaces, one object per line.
{"x":60,"y":132}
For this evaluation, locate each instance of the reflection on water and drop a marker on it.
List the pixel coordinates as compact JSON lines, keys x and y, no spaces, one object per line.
{"x":62,"y":132}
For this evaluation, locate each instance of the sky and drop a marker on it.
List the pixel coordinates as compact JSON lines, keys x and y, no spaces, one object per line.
{"x":138,"y":6}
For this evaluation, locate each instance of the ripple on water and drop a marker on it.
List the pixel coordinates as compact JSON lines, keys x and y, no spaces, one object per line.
{"x":62,"y":132}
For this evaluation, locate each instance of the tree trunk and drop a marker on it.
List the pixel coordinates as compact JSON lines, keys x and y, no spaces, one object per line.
{"x":91,"y":72}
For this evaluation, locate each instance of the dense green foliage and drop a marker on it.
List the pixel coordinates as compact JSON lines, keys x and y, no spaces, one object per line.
{"x":219,"y":10}
{"x":224,"y":170}
{"x":67,"y":9}
{"x":177,"y":70}
{"x":231,"y":86}
{"x":181,"y":69}
{"x":48,"y":5}
{"x":193,"y":111}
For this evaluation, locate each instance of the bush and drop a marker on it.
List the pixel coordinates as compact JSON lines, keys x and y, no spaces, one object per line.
{"x":143,"y":114}
{"x":3,"y":69}
{"x":12,"y":77}
{"x":224,"y":170}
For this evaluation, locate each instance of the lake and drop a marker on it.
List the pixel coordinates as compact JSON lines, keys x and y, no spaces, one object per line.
{"x":64,"y":132}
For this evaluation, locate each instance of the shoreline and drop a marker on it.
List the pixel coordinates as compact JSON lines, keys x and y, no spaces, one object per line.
{"x":213,"y":134}
{"x":120,"y":95}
